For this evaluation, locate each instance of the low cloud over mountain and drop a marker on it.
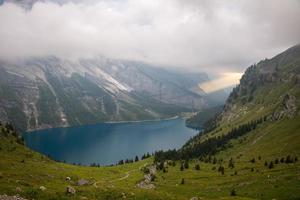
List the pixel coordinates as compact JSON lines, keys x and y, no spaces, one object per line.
{"x":195,"y":35}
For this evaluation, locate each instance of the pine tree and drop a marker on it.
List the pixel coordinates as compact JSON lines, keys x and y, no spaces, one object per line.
{"x":136,"y":159}
{"x":215,"y":160}
{"x":181,"y":167}
{"x":186,"y":164}
{"x":231,"y":163}
{"x":271,"y":165}
{"x":288,"y":159}
{"x":182,"y":181}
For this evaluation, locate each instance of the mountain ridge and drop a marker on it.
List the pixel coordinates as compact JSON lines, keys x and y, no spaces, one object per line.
{"x":267,"y":94}
{"x":250,"y":152}
{"x":93,"y":90}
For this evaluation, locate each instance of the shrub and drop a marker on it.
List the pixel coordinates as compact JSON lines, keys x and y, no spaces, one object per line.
{"x":153,"y":177}
{"x":233,"y":192}
{"x":146,"y":170}
{"x":215,"y":160}
{"x":160,"y":166}
{"x":231,"y":163}
{"x":222,"y":170}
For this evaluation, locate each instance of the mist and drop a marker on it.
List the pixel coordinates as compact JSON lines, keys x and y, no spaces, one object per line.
{"x":212,"y":36}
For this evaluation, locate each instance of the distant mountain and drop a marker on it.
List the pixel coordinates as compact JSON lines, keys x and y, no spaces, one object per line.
{"x":50,"y":92}
{"x":27,"y":4}
{"x":199,"y":120}
{"x":24,"y":3}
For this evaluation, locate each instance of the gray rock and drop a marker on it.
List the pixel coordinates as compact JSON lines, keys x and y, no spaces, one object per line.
{"x":18,"y":189}
{"x":5,"y":197}
{"x":70,"y":190}
{"x":43,"y":188}
{"x":82,"y":182}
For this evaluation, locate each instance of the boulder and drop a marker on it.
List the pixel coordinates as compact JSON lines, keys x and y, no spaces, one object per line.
{"x":42,"y":188}
{"x":70,"y":190}
{"x":18,"y":189}
{"x":82,"y":182}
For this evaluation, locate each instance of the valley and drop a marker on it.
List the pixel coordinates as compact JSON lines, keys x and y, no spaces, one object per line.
{"x":149,"y":100}
{"x":258,"y":160}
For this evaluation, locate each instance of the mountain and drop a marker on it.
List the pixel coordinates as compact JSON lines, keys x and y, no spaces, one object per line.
{"x":268,"y":95}
{"x":200,"y":119}
{"x":50,"y":92}
{"x":251,"y":151}
{"x":257,"y":130}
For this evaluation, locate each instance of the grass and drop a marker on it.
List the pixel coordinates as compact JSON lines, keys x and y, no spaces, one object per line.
{"x":28,"y":170}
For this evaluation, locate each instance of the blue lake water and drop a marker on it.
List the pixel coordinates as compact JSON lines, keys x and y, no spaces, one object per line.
{"x":107,"y":143}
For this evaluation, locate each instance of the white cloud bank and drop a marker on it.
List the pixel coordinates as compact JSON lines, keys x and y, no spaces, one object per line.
{"x":199,"y":35}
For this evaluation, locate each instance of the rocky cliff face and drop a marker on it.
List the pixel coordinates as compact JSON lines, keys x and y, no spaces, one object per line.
{"x":50,"y":92}
{"x":272,"y":83}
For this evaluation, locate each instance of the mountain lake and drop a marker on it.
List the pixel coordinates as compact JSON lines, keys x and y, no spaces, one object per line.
{"x":107,"y":143}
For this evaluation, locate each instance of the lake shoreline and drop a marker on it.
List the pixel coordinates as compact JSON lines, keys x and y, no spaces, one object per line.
{"x":106,"y":122}
{"x":108,"y":143}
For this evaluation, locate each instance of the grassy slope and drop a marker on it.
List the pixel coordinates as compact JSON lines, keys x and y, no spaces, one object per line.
{"x":270,"y":141}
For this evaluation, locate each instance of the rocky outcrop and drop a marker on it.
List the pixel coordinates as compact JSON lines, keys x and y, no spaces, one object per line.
{"x":267,"y":80}
{"x":149,"y":177}
{"x":6,"y":197}
{"x":70,"y":190}
{"x":288,"y":108}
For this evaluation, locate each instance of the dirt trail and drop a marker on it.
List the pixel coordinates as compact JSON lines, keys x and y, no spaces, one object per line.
{"x":127,"y":174}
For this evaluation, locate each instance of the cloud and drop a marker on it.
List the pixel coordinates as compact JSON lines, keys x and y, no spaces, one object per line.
{"x":218,"y":36}
{"x":223,"y":81}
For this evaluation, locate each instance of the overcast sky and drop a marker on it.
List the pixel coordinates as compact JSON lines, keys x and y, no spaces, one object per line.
{"x":215,"y":36}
